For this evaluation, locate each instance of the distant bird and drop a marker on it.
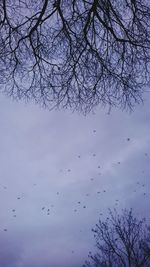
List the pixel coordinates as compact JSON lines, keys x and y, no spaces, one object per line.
{"x":18,"y":198}
{"x":79,"y":156}
{"x":98,"y":192}
{"x":94,"y":131}
{"x":128,"y":139}
{"x":92,"y":179}
{"x":104,"y":191}
{"x":43,"y":208}
{"x":118,"y":162}
{"x":48,"y":213}
{"x":13,"y":210}
{"x":5,"y":230}
{"x":75,"y":210}
{"x":94,"y":155}
{"x":69,"y":170}
{"x":79,"y":202}
{"x":98,"y":166}
{"x":84,"y":207}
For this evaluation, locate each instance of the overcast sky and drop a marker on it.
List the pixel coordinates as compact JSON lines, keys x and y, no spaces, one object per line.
{"x":59,"y":171}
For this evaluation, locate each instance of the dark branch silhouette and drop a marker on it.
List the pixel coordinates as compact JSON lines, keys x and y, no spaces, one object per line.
{"x":121,"y":241}
{"x":75,"y":54}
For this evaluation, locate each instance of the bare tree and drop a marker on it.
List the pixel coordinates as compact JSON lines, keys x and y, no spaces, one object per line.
{"x":75,"y":53}
{"x":121,"y":241}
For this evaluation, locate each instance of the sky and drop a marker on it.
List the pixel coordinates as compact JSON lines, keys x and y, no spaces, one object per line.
{"x":60,"y":172}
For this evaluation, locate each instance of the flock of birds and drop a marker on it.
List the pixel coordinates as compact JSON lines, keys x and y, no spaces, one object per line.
{"x":47,"y":210}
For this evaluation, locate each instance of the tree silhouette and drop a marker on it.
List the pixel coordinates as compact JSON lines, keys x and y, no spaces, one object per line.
{"x":121,"y":241}
{"x":75,"y":53}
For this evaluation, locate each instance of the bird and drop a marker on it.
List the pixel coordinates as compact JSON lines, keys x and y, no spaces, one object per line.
{"x":84,"y":207}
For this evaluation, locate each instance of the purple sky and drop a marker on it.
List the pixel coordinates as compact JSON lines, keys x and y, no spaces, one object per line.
{"x":53,"y":160}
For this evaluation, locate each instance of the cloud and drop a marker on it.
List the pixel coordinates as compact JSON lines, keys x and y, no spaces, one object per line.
{"x":44,"y":153}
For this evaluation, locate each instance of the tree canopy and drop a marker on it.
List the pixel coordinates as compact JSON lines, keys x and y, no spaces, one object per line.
{"x":121,"y":241}
{"x":75,"y":53}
